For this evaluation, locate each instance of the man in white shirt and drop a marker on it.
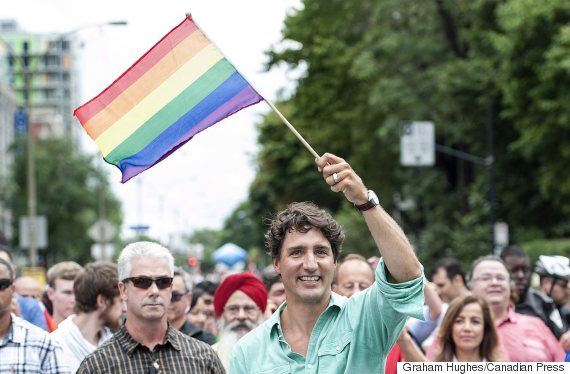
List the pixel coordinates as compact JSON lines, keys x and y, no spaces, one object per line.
{"x":98,"y":309}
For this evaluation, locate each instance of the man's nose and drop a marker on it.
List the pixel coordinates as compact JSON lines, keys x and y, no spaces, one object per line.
{"x":241,"y":314}
{"x":310,"y":262}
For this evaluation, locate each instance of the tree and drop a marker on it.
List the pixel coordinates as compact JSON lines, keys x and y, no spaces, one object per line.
{"x":371,"y":65}
{"x":69,"y":188}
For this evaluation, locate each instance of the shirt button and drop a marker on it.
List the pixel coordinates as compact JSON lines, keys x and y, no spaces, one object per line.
{"x":338,"y":347}
{"x":309,"y":366}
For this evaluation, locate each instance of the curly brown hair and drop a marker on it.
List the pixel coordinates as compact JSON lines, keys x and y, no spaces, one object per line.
{"x":489,"y":347}
{"x":302,"y":217}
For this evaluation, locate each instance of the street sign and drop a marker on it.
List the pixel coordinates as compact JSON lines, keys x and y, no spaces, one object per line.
{"x":501,"y":234}
{"x":102,"y":251}
{"x":417,"y":144}
{"x":20,"y":121}
{"x":102,"y":231}
{"x":40,"y":229}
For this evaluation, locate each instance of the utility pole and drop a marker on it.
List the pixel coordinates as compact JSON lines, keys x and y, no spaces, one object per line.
{"x":31,"y":164}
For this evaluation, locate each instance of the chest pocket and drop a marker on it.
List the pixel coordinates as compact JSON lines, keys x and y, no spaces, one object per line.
{"x":282,"y":369}
{"x":333,"y":355}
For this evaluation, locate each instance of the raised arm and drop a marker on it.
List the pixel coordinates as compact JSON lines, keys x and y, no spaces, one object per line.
{"x":391,"y":241}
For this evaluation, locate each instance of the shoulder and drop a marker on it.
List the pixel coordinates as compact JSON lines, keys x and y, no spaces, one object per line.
{"x":536,"y":295}
{"x":25,"y":330}
{"x":189,"y":344}
{"x":102,"y":357}
{"x":528,"y":321}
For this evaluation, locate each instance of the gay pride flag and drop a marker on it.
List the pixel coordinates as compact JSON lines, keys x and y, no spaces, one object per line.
{"x":180,"y":87}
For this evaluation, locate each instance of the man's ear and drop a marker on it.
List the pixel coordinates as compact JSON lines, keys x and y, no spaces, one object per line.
{"x":457,"y":280}
{"x":50,"y":291}
{"x":101,"y":302}
{"x":334,"y":287}
{"x":123,"y":291}
{"x":276,"y":265}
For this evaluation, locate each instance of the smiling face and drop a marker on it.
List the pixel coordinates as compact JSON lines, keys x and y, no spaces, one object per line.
{"x":490,"y":282}
{"x":468,"y":329}
{"x":144,"y":306}
{"x":306,"y":265}
{"x":353,"y":276}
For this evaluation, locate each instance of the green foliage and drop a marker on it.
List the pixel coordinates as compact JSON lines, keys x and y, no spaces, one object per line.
{"x":69,"y":188}
{"x":368,"y":66}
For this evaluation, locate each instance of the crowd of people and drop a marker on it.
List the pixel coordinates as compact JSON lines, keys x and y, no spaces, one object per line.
{"x":311,"y":310}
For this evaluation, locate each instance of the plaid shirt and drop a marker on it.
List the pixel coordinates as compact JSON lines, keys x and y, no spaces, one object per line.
{"x":28,"y":349}
{"x":178,"y":354}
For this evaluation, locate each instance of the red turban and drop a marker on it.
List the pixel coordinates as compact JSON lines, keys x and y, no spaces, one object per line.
{"x":248,"y":283}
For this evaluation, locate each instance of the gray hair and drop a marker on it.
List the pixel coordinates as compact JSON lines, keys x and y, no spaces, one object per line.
{"x":142,"y":249}
{"x":186,"y":278}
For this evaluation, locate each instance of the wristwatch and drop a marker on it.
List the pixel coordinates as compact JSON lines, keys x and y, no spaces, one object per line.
{"x":371,"y":203}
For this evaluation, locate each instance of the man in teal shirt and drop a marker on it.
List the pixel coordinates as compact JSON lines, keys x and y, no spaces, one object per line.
{"x":316,"y":330}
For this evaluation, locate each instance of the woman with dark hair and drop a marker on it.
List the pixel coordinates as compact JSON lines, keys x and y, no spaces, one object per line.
{"x":467,"y":333}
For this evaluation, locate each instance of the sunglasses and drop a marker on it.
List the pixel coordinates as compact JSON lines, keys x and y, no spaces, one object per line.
{"x":5,"y":283}
{"x":146,"y":282}
{"x":176,"y":297}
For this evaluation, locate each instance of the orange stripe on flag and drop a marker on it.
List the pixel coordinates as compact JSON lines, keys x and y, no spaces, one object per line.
{"x":86,"y":111}
{"x":146,"y":84}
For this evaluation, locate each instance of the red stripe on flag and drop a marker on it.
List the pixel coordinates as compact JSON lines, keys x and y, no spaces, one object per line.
{"x":86,"y":111}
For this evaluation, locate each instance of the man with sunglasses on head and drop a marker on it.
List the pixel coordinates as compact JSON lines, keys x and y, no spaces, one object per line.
{"x":97,"y":310}
{"x":24,"y":348}
{"x":147,"y":343}
{"x":180,"y":305}
{"x":239,"y":303}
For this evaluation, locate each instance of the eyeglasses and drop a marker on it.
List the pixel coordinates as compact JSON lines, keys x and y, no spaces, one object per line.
{"x":177,"y":296}
{"x":5,"y":283}
{"x":146,"y":282}
{"x":489,"y":277}
{"x":233,"y":310}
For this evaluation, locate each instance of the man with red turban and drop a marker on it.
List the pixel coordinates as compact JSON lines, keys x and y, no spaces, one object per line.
{"x":239,"y":304}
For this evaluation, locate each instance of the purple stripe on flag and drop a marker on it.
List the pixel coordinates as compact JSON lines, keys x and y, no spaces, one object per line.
{"x":246,"y":97}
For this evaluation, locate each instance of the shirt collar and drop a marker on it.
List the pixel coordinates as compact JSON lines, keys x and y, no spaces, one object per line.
{"x":129,"y":344}
{"x":335,"y":300}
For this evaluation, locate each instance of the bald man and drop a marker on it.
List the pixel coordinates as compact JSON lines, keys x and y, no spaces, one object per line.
{"x":353,"y":274}
{"x":28,"y":286}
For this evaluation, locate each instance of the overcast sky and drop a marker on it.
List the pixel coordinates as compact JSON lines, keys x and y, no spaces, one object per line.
{"x":201,"y":183}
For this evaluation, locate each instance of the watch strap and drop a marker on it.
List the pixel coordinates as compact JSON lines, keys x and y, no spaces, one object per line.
{"x":371,"y":203}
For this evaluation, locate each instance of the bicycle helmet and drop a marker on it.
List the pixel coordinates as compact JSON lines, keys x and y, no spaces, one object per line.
{"x":557,"y":267}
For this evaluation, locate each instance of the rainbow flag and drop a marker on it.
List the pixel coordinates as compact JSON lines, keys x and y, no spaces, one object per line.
{"x":181,"y":86}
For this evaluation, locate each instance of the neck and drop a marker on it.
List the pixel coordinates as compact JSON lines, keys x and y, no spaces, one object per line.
{"x":147,"y":333}
{"x":179,"y":322}
{"x":499,"y":312}
{"x":57,"y":318}
{"x":90,"y":326}
{"x":471,"y":355}
{"x":5,"y":322}
{"x":302,"y":317}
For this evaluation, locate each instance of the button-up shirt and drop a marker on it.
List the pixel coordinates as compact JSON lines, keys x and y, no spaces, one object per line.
{"x":351,"y":335}
{"x":178,"y":354}
{"x":526,"y":338}
{"x":28,"y":349}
